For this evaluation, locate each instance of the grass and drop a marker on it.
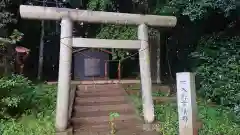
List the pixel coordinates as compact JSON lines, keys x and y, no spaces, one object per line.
{"x":137,"y":87}
{"x":159,"y":94}
{"x":35,"y":121}
{"x":29,"y":125}
{"x":216,"y":120}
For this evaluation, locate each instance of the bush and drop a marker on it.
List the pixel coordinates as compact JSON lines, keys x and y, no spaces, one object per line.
{"x":16,"y":93}
{"x":44,"y":97}
{"x":35,"y":103}
{"x":38,"y":120}
{"x":218,"y":70}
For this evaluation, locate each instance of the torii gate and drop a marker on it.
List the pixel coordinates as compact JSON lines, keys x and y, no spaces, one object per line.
{"x":67,"y":16}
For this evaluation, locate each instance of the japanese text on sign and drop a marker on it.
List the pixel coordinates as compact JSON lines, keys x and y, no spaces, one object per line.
{"x":183,"y":103}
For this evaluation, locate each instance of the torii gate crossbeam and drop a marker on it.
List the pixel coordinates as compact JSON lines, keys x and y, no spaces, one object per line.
{"x":67,"y":16}
{"x":52,"y":13}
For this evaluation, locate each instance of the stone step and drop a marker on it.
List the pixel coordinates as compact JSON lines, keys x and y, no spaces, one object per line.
{"x":121,"y":132}
{"x":121,"y":124}
{"x":103,"y":127}
{"x":83,"y":94}
{"x":99,"y":103}
{"x":99,"y":99}
{"x":155,"y":87}
{"x":92,"y":106}
{"x":97,"y":88}
{"x":117,"y":107}
{"x":102,"y":113}
{"x":101,"y":120}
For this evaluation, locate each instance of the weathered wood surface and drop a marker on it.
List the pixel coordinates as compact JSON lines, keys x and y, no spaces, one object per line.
{"x":52,"y":13}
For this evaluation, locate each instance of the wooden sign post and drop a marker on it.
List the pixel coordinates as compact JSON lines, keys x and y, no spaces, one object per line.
{"x":187,"y":107}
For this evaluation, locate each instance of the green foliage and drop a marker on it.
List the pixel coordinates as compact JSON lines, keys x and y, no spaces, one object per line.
{"x":15,"y":94}
{"x":216,"y":120}
{"x":217,"y":68}
{"x":19,"y":96}
{"x":123,"y":33}
{"x":29,"y":125}
{"x":15,"y":37}
{"x":44,"y":97}
{"x":7,"y":15}
{"x":38,"y":120}
{"x":167,"y":114}
{"x":199,"y":9}
{"x":33,"y":104}
{"x":159,"y":94}
{"x":118,"y":32}
{"x":99,"y":4}
{"x":113,"y":115}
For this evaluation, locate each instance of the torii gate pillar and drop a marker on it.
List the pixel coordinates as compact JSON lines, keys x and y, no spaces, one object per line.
{"x":146,"y":81}
{"x":67,"y":42}
{"x":64,"y":74}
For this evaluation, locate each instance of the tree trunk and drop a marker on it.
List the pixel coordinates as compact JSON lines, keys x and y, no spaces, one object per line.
{"x":41,"y":48}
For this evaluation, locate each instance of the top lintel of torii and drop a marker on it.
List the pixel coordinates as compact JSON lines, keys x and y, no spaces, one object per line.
{"x":52,"y":13}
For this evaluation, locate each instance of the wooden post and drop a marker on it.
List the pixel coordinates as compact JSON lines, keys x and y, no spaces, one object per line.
{"x":187,"y":107}
{"x":106,"y":70}
{"x":64,"y":77}
{"x":159,"y":59}
{"x":119,"y":70}
{"x":146,"y":82}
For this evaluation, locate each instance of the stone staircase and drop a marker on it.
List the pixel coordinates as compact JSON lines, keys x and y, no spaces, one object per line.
{"x":91,"y":108}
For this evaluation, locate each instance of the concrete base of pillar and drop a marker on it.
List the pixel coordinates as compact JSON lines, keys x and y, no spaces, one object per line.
{"x":68,"y":131}
{"x":154,"y":126}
